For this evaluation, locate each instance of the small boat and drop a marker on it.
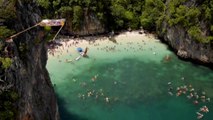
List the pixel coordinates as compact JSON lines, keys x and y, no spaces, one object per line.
{"x":78,"y":58}
{"x":68,"y":61}
{"x":82,"y":52}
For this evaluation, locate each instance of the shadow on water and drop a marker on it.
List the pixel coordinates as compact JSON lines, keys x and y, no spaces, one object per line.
{"x":64,"y":113}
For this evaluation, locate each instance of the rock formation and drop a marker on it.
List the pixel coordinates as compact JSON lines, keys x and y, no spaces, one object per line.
{"x":184,"y":45}
{"x":28,"y":73}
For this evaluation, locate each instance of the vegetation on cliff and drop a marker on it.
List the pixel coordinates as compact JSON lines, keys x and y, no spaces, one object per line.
{"x":189,"y":15}
{"x":122,"y":14}
{"x":8,"y":96}
{"x":7,"y":16}
{"x":7,"y":107}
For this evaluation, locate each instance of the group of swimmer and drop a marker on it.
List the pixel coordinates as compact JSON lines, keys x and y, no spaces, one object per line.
{"x":190,"y":93}
{"x":203,"y":109}
{"x":130,"y":46}
{"x":96,"y":95}
{"x":99,"y":94}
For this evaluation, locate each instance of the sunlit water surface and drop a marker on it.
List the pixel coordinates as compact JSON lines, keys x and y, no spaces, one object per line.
{"x":128,"y":80}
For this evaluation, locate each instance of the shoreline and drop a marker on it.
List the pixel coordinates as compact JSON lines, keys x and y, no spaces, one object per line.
{"x":104,"y":36}
{"x":107,"y":34}
{"x":62,"y":44}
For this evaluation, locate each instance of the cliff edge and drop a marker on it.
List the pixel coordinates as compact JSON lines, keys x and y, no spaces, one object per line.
{"x":28,"y":73}
{"x":186,"y":28}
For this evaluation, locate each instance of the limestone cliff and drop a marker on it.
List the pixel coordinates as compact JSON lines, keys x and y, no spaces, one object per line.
{"x":28,"y":72}
{"x":90,"y":25}
{"x":183,"y":44}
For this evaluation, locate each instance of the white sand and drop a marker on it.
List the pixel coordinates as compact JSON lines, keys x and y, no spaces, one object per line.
{"x":127,"y":44}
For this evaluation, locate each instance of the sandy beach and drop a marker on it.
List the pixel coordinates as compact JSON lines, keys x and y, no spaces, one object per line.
{"x":69,"y":45}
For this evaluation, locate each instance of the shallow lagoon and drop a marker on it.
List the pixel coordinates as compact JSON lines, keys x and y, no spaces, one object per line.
{"x":127,"y":80}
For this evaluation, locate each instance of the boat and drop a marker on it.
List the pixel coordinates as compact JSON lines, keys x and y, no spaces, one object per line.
{"x":78,"y":58}
{"x":68,"y":61}
{"x":81,"y":52}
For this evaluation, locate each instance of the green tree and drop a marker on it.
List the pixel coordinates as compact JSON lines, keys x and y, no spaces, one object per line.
{"x":152,"y":11}
{"x":77,"y":17}
{"x":44,"y":3}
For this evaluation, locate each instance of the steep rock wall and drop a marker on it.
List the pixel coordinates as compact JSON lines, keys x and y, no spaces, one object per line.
{"x":183,"y":44}
{"x":28,"y":73}
{"x":90,"y":25}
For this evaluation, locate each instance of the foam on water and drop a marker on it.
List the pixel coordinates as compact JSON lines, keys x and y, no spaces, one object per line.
{"x":132,"y":74}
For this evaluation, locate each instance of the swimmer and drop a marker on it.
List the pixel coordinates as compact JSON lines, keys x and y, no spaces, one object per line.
{"x":93,"y":79}
{"x":74,"y":80}
{"x":89,"y":94}
{"x":204,"y":109}
{"x":195,"y":102}
{"x":203,"y":93}
{"x":178,"y":88}
{"x":107,"y":99}
{"x":208,"y":99}
{"x":192,"y":89}
{"x":191,"y":95}
{"x":199,"y":115}
{"x":115,"y":82}
{"x":167,"y":58}
{"x":170,"y":93}
{"x":83,"y":97}
{"x":178,"y":93}
{"x":203,"y":97}
{"x":170,"y":88}
{"x":197,"y":96}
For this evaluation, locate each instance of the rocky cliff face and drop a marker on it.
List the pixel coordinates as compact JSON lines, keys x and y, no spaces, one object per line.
{"x":185,"y":46}
{"x":90,"y":25}
{"x":28,"y":73}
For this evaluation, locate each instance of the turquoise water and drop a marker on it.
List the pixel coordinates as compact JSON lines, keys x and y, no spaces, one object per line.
{"x":128,"y":80}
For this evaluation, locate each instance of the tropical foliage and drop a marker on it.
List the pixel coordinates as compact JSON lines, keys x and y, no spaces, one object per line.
{"x":123,"y":14}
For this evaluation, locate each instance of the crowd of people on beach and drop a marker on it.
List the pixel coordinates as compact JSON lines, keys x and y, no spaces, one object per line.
{"x":57,"y":47}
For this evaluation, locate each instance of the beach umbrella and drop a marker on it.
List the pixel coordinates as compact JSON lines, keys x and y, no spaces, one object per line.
{"x":79,"y":49}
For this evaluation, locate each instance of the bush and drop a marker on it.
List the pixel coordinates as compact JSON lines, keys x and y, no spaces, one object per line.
{"x":5,"y":32}
{"x":153,"y":10}
{"x":196,"y":33}
{"x":6,"y":62}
